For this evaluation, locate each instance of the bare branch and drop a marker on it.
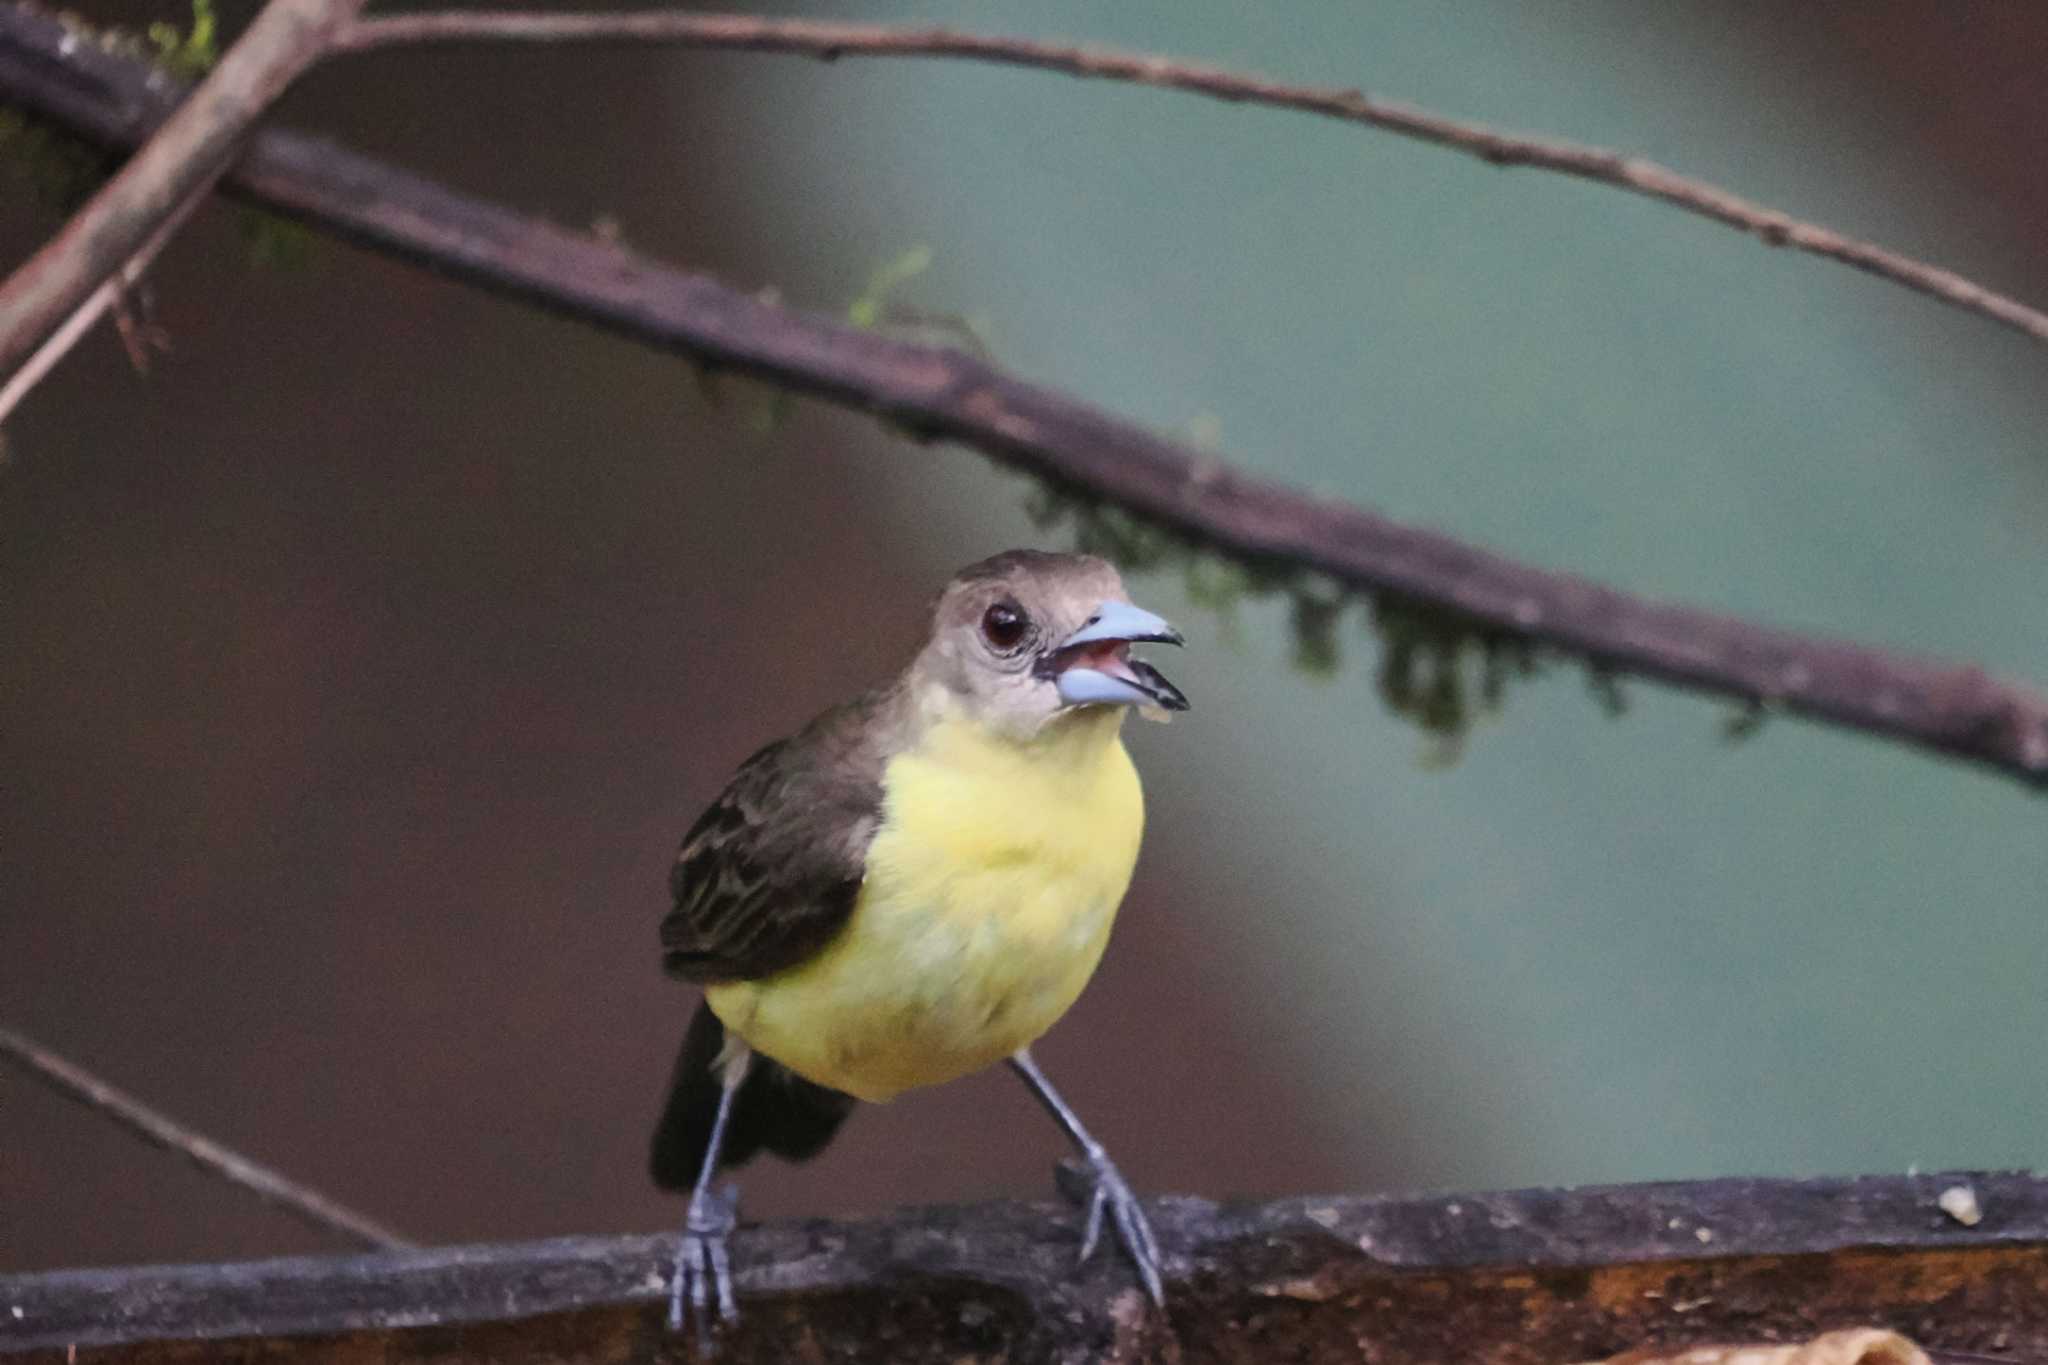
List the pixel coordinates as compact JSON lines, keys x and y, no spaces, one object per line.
{"x":180,"y":162}
{"x":938,"y":393}
{"x":76,"y":1083}
{"x":830,"y":41}
{"x":1521,"y":1276}
{"x":96,"y":306}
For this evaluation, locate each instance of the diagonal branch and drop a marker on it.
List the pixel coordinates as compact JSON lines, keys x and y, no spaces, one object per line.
{"x":179,"y":164}
{"x":76,"y":1083}
{"x":102,"y":301}
{"x":938,"y":393}
{"x":830,"y":41}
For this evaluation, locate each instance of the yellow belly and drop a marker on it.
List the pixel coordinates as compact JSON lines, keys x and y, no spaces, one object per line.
{"x":990,"y":891}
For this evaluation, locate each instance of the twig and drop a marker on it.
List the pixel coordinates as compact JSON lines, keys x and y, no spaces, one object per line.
{"x":313,"y":1207}
{"x":831,"y":41}
{"x":59,"y":343}
{"x":186,"y":153}
{"x":933,"y":392}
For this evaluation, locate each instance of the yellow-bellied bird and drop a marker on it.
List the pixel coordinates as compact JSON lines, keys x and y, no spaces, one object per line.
{"x":913,"y":887}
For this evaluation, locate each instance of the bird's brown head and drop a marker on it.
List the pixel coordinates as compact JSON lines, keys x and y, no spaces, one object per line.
{"x":1025,"y":637}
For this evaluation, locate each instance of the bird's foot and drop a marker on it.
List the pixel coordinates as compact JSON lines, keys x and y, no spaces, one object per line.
{"x":1096,"y":1181}
{"x":703,"y":1270}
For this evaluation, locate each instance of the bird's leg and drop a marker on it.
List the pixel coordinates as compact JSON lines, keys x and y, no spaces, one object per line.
{"x":1107,"y":1189}
{"x":703,"y":1269}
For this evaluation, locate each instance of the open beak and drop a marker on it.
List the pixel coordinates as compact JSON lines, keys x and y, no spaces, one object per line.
{"x":1094,"y":667}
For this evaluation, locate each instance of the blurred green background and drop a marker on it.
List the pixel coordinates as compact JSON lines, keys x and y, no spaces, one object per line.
{"x":366,"y":661}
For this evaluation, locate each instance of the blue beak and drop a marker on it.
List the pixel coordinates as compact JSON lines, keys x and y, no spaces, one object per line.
{"x":1090,"y":671}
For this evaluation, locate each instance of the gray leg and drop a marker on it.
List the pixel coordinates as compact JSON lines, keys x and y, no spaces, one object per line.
{"x":1108,"y":1189}
{"x":702,"y":1265}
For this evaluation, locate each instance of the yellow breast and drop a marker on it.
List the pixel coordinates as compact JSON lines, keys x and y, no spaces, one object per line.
{"x":989,"y":895}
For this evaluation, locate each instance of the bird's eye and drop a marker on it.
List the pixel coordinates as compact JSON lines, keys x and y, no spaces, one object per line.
{"x":1003,"y":625}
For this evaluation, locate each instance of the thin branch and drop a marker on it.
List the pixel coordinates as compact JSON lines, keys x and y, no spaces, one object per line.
{"x":96,"y":306}
{"x":179,"y":162}
{"x":830,"y":41}
{"x":313,"y":1207}
{"x":937,"y":393}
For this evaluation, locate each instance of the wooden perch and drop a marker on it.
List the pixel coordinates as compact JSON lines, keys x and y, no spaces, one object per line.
{"x":935,"y":393}
{"x":1538,"y":1277}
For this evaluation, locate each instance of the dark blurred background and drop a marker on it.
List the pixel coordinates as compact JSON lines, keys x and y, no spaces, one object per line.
{"x":364,"y":662}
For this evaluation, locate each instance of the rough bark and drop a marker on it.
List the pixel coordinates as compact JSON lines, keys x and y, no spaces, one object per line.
{"x":1535,"y":1277}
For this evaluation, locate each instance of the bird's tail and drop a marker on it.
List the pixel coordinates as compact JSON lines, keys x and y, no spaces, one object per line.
{"x":776,"y":1110}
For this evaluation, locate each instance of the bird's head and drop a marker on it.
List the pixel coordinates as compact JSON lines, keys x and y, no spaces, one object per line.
{"x":1026,"y":637}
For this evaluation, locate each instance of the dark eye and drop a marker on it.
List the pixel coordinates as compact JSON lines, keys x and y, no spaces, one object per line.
{"x":1003,"y":625}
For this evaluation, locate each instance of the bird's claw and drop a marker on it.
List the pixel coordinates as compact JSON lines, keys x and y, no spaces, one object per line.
{"x":1097,"y":1179}
{"x":703,"y":1267}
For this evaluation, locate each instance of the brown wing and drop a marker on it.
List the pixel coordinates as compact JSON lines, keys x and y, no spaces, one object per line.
{"x":771,"y":871}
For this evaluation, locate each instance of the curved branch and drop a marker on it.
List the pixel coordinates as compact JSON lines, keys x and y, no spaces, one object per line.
{"x":830,"y":41}
{"x":933,"y":392}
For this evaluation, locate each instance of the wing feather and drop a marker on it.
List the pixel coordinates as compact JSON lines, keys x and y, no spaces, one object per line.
{"x":770,"y":872}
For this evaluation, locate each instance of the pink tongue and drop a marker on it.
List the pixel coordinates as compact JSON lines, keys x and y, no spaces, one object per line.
{"x":1106,"y":656}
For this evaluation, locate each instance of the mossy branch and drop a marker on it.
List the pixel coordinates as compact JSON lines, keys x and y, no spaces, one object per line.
{"x":1163,"y":492}
{"x":1440,"y":668}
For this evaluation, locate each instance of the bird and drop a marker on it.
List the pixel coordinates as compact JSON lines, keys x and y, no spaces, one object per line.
{"x":911,"y":888}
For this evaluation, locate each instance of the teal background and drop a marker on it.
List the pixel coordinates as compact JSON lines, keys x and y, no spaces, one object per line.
{"x":1593,"y":950}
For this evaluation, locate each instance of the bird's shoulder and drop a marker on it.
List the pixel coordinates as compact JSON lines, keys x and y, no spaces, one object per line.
{"x":771,"y":870}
